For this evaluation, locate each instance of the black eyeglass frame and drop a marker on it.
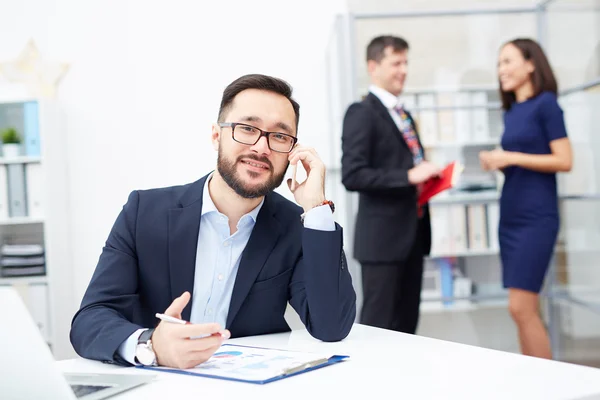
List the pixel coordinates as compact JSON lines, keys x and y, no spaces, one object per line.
{"x":266,"y":134}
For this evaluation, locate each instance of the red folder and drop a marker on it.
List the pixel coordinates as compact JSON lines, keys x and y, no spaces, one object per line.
{"x":446,"y":180}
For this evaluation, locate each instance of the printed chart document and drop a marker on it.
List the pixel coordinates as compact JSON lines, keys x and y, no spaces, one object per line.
{"x":256,"y":364}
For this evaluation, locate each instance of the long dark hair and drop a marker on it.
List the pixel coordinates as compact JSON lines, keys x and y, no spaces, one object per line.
{"x":542,"y":77}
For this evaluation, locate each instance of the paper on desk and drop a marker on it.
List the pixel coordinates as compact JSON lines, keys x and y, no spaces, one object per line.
{"x":255,"y":364}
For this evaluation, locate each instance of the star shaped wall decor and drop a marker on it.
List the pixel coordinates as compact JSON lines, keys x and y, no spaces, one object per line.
{"x":39,"y":75}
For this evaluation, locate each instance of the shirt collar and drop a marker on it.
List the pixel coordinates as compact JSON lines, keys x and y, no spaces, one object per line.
{"x":389,"y":100}
{"x":209,"y":206}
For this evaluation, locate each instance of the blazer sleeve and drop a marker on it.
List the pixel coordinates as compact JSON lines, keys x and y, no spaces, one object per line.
{"x":321,"y":288}
{"x":102,"y":322}
{"x":358,"y":173}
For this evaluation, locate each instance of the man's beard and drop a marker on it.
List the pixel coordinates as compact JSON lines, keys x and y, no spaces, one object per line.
{"x":228,"y":172}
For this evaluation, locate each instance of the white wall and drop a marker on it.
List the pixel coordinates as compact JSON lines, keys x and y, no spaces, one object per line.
{"x":145,"y":84}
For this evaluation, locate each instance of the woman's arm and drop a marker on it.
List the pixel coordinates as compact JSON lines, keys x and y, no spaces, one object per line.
{"x":560,"y":160}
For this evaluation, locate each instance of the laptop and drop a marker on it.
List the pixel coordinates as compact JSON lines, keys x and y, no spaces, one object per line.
{"x":28,"y":369}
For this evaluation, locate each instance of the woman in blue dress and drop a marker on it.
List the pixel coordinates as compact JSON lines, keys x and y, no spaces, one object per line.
{"x":534,"y":148}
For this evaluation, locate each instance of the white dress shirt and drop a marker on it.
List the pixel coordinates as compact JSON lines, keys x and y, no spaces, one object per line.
{"x":390,"y":102}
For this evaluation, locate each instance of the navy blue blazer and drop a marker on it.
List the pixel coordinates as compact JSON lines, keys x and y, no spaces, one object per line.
{"x":149,"y":260}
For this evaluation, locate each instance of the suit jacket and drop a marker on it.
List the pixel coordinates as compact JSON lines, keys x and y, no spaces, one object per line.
{"x":149,"y":260}
{"x":375,"y":163}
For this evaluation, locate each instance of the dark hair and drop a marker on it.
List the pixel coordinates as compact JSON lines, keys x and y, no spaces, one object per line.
{"x":542,"y":77}
{"x":376,"y":49}
{"x":260,"y":82}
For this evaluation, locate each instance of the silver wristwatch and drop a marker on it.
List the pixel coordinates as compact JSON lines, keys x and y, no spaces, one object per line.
{"x":144,"y":354}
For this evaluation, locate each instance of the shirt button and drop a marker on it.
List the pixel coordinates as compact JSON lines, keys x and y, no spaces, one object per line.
{"x":226,"y":244}
{"x":220,"y":277}
{"x":209,"y":311}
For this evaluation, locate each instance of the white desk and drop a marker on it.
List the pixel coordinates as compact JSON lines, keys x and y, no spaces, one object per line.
{"x":384,"y":364}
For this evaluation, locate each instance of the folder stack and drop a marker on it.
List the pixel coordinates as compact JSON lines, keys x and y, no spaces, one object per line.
{"x":22,"y":260}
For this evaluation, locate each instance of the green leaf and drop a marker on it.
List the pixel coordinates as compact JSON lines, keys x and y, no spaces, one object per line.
{"x":10,"y":136}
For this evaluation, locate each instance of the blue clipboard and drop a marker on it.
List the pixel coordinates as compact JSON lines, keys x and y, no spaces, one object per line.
{"x":231,"y":350}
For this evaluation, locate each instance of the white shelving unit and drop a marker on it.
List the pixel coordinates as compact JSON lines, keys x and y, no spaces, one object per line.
{"x":20,"y":160}
{"x":41,"y":217}
{"x":21,"y":221}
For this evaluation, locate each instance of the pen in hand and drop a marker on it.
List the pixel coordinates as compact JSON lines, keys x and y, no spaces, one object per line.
{"x":167,"y":318}
{"x":174,"y":320}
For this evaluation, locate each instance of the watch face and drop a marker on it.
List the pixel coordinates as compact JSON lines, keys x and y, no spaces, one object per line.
{"x":144,"y":355}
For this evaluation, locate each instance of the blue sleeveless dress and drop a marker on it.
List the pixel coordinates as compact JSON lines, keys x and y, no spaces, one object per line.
{"x":529,"y":219}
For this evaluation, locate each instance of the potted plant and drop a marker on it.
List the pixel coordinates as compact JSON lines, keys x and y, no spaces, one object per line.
{"x":11,"y":143}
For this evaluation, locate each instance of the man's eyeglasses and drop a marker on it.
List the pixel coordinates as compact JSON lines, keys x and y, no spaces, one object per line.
{"x":250,"y":135}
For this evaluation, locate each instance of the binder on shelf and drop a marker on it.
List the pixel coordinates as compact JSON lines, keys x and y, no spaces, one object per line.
{"x":409,"y":102}
{"x":38,"y":307}
{"x":493,"y":218}
{"x":495,"y":116}
{"x":447,"y":280}
{"x":431,"y":287}
{"x":458,"y":221}
{"x":481,"y":131}
{"x":440,"y":234}
{"x":35,"y":298}
{"x":477,"y":227}
{"x":31,"y":129}
{"x":462,"y":120}
{"x":446,"y":118}
{"x":255,"y":364}
{"x":17,"y":196}
{"x":34,"y":186}
{"x":3,"y":193}
{"x":428,"y":129}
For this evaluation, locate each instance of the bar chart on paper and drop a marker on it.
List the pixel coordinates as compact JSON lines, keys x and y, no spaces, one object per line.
{"x":256,"y":365}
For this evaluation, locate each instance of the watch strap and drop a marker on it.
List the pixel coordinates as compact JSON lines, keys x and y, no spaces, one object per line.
{"x":145,"y":336}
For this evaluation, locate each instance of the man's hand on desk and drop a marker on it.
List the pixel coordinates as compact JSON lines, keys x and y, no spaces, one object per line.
{"x":174,"y":345}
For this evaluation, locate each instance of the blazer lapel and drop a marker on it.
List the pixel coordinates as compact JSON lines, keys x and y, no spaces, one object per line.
{"x":184,"y":225}
{"x":385,"y":114}
{"x":262,"y":240}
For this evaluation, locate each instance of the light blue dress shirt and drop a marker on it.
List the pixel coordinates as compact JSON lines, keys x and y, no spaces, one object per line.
{"x":217,"y":261}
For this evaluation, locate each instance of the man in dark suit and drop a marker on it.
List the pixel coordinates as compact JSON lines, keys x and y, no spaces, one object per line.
{"x":383,"y":160}
{"x":222,"y":252}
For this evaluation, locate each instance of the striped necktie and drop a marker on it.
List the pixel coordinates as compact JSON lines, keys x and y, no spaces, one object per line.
{"x":410,"y":137}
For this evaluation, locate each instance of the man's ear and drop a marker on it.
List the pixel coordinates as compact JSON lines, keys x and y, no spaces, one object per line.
{"x":215,"y":136}
{"x":372,"y":66}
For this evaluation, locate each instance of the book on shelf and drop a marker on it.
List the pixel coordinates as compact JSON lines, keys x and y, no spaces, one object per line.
{"x":22,"y":260}
{"x":18,"y":250}
{"x":447,"y":179}
{"x":13,"y":272}
{"x":3,"y":193}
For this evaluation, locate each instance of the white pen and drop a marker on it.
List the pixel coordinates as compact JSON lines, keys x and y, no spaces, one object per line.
{"x":174,"y":320}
